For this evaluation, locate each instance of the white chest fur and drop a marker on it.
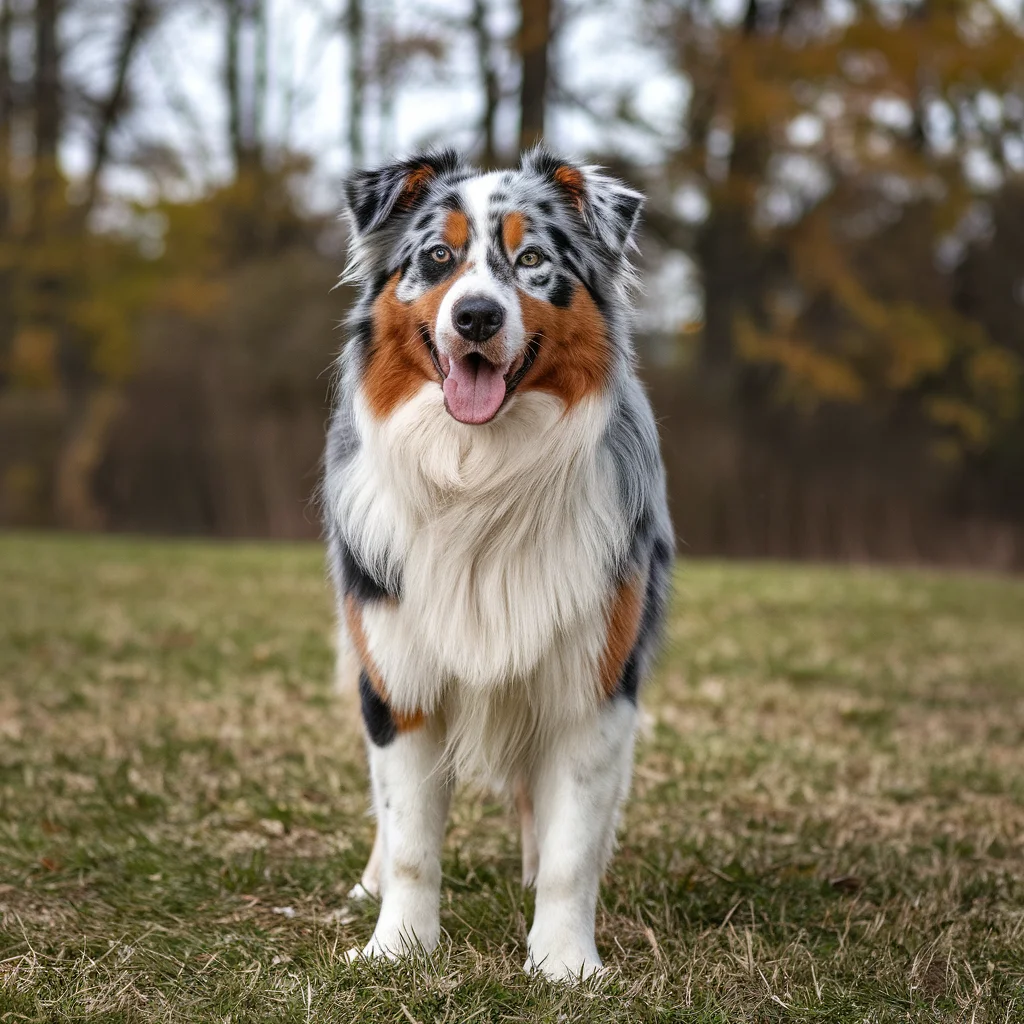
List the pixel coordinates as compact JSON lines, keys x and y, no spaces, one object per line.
{"x":503,"y":537}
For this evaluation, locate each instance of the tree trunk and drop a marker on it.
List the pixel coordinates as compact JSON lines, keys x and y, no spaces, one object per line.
{"x":259,"y":87}
{"x":231,"y":85}
{"x":534,"y":37}
{"x":136,"y":23}
{"x":246,"y":92}
{"x":93,"y":416}
{"x":6,"y":112}
{"x":354,"y":25}
{"x":488,"y":81}
{"x":47,"y":110}
{"x":7,"y":273}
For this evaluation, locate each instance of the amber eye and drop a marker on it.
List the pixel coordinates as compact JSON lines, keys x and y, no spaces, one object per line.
{"x":441,"y":254}
{"x":530,"y":258}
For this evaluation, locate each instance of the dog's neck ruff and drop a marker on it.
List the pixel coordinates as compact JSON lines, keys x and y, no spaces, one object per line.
{"x":503,"y":537}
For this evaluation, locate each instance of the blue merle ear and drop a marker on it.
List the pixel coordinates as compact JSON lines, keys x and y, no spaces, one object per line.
{"x":372,"y":198}
{"x":609,"y":208}
{"x":377,"y":203}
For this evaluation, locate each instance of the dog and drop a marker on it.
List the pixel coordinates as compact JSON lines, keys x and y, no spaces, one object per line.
{"x":497,"y":527}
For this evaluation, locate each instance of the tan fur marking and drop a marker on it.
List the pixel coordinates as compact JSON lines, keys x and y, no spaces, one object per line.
{"x":415,"y":183}
{"x":531,"y":855}
{"x":406,"y":723}
{"x":456,"y":229}
{"x":513,"y":229}
{"x":574,"y":358}
{"x":354,"y":621}
{"x":524,"y":802}
{"x":573,"y":182}
{"x":623,"y":626}
{"x":399,"y":360}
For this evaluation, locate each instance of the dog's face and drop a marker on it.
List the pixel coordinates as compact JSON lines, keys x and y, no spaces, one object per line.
{"x":487,"y":285}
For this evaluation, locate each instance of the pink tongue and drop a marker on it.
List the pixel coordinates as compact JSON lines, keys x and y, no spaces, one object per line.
{"x":474,"y":389}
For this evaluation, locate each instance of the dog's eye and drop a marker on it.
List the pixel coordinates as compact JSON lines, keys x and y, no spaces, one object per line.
{"x":530,"y":258}
{"x":441,"y":254}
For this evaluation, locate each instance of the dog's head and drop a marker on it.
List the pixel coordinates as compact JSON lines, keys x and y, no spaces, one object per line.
{"x":487,"y":284}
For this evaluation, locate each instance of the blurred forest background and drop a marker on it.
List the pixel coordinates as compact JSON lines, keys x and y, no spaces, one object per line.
{"x":833,"y":319}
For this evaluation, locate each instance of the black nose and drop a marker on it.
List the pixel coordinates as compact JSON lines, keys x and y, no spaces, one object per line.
{"x":477,"y":318}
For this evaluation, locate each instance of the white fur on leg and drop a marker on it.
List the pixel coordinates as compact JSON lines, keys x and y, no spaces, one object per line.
{"x":580,"y":783}
{"x":368,"y":887}
{"x":411,"y":794}
{"x":346,"y":663}
{"x":531,"y":855}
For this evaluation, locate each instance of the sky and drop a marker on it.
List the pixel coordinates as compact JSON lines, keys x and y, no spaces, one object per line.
{"x":603,"y":57}
{"x":179,"y":99}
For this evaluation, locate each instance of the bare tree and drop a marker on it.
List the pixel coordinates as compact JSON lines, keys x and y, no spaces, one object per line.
{"x":137,"y":20}
{"x":90,"y":399}
{"x":534,"y":39}
{"x":6,"y":111}
{"x":6,"y":114}
{"x":353,"y":23}
{"x":46,"y":108}
{"x":488,"y":81}
{"x":246,"y":92}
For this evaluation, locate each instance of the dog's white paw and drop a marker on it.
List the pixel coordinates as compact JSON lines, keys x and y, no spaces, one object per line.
{"x":565,"y":961}
{"x":390,"y":946}
{"x":377,"y":949}
{"x":361,"y":892}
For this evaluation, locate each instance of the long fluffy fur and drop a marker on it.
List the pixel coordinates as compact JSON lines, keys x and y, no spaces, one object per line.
{"x":483,"y":563}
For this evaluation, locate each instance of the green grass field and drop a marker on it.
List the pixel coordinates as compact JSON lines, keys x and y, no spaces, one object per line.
{"x":827,"y":821}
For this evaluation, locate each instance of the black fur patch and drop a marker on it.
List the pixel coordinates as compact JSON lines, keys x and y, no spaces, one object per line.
{"x":563,"y":244}
{"x":650,"y":619}
{"x":544,"y":163}
{"x":432,"y":272}
{"x":627,"y":207}
{"x":361,"y":331}
{"x":561,"y":294}
{"x":654,"y":598}
{"x":374,"y":196}
{"x":362,"y":584}
{"x":377,"y":717}
{"x":629,"y":681}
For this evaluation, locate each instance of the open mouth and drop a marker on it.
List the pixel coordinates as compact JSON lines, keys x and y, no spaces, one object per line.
{"x":475,"y":388}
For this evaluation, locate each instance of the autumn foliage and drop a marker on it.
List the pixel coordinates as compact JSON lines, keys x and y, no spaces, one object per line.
{"x":853,"y":385}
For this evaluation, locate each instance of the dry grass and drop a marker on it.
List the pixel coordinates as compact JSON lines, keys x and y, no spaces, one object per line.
{"x":827,"y":823}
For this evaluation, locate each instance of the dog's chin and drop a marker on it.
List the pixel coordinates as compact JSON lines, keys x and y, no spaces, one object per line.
{"x":476,"y":389}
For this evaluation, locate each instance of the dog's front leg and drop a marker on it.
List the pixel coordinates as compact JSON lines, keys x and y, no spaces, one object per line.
{"x":579,"y":786}
{"x":411,"y":792}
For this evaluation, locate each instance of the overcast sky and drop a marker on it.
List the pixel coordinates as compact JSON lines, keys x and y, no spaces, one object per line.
{"x":176,"y":78}
{"x":603,"y":55}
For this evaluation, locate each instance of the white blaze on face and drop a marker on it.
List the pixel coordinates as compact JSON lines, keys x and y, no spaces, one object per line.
{"x":474,"y":384}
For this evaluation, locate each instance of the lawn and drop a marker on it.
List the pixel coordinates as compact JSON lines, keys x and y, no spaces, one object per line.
{"x":827,"y":820}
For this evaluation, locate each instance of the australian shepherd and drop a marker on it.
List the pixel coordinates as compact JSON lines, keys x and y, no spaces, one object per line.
{"x":498,"y":533}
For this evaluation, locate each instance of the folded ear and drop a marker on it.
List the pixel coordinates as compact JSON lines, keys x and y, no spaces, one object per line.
{"x":372,"y":198}
{"x":609,"y":208}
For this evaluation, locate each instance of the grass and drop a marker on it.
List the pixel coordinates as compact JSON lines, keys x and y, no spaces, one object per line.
{"x":827,"y":821}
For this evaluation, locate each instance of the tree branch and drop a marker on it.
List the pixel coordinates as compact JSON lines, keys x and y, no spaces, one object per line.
{"x":137,"y":22}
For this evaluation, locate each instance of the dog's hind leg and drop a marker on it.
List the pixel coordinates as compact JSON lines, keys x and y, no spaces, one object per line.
{"x":368,"y":887}
{"x":531,"y":855}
